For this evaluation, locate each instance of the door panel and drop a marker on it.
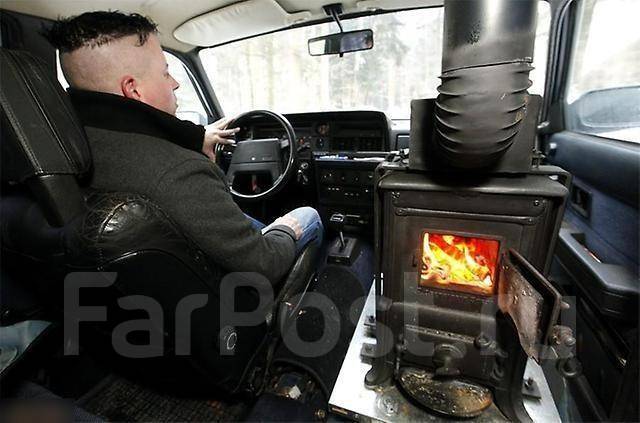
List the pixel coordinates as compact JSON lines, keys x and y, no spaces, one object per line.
{"x":604,"y":196}
{"x":597,"y":256}
{"x":594,"y":113}
{"x":609,"y":165}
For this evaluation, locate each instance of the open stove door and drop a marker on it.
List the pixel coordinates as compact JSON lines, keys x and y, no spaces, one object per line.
{"x":531,"y":301}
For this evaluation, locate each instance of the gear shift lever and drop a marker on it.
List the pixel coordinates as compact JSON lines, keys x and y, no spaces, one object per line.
{"x":337,"y":222}
{"x":342,"y":251}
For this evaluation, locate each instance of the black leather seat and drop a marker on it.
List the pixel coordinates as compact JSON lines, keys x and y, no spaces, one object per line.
{"x":53,"y":226}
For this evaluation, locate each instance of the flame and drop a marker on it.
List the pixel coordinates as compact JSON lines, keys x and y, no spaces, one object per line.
{"x":459,"y":263}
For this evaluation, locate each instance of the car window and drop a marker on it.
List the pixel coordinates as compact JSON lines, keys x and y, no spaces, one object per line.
{"x":61,"y":78}
{"x":189,"y":104}
{"x":603,"y":93}
{"x":276,"y":72}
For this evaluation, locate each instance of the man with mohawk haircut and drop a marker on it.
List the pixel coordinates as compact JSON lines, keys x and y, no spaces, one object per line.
{"x":124,"y":94}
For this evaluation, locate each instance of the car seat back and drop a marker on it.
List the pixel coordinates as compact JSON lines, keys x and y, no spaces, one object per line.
{"x":58,"y":233}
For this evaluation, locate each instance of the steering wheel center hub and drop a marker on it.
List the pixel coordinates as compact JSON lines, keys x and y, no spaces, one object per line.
{"x":263,"y":159}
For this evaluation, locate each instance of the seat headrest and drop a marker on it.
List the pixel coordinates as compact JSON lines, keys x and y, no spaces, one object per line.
{"x":41,"y":134}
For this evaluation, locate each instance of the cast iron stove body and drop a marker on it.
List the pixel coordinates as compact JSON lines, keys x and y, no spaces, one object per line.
{"x":466,"y":227}
{"x":459,"y":331}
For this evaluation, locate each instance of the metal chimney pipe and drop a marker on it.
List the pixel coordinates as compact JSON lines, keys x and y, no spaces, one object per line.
{"x":486,"y":60}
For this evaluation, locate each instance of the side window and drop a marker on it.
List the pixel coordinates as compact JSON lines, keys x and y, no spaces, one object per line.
{"x":189,"y":105}
{"x":61,"y":78}
{"x":603,"y":93}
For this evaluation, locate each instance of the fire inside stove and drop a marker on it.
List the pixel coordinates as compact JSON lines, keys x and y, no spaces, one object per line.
{"x":459,"y":263}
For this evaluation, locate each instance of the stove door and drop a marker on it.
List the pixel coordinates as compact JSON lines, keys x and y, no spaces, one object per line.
{"x":531,"y":301}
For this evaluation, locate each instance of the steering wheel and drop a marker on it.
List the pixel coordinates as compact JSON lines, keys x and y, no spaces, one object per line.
{"x":250,"y":157}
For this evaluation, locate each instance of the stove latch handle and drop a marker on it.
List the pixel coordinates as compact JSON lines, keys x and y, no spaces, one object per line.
{"x":445,"y":358}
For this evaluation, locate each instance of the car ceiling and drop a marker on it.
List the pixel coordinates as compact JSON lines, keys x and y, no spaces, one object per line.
{"x":170,"y":14}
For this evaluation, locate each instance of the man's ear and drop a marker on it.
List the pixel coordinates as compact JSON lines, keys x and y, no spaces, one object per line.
{"x":130,"y":87}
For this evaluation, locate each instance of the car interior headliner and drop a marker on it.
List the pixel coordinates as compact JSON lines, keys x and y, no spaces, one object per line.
{"x":249,"y":15}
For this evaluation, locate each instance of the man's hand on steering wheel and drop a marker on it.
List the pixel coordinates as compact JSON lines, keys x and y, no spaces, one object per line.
{"x":253,"y":157}
{"x":217,"y":133}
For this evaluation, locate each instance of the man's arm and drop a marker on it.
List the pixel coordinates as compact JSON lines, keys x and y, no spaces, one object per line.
{"x":195,"y":195}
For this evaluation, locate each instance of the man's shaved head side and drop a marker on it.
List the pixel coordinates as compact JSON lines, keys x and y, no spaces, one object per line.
{"x":115,"y":53}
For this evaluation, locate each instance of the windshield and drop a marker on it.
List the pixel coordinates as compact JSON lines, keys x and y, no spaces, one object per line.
{"x":276,"y":72}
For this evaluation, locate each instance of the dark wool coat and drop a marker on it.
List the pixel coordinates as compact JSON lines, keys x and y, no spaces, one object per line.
{"x":139,"y":149}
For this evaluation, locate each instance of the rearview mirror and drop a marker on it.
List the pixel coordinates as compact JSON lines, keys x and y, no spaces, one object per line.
{"x":341,"y":42}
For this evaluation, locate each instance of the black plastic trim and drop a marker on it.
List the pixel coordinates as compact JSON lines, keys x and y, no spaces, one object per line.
{"x":613,"y":289}
{"x":611,"y":166}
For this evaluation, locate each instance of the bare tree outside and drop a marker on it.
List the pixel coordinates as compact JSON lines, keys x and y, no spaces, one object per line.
{"x":276,"y":72}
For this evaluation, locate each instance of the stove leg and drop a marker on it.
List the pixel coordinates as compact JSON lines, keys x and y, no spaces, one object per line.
{"x":381,"y":372}
{"x":510,"y":401}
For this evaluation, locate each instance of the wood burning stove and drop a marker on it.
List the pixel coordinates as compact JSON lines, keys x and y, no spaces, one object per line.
{"x":443,"y":246}
{"x":466,"y":226}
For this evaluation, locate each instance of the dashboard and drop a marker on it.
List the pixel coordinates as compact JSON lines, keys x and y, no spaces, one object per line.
{"x":337,"y":156}
{"x":328,"y":132}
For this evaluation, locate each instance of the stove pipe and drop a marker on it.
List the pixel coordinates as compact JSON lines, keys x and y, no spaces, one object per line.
{"x":486,"y":60}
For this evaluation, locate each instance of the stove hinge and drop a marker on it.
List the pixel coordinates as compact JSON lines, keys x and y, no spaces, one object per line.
{"x":563,"y":343}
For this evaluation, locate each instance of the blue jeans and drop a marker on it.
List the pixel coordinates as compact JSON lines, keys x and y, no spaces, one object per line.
{"x":255,"y":223}
{"x":309,"y":219}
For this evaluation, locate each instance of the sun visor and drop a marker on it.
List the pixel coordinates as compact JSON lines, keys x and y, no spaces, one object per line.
{"x":237,"y":21}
